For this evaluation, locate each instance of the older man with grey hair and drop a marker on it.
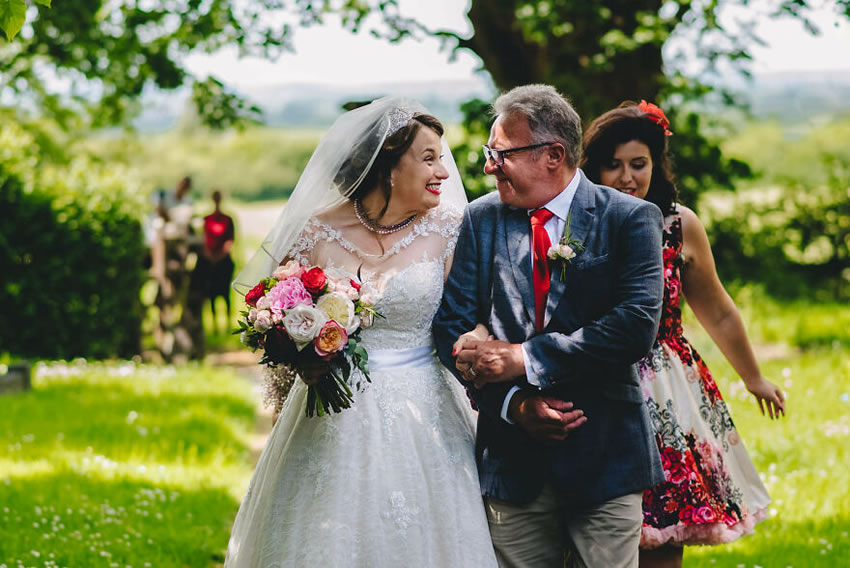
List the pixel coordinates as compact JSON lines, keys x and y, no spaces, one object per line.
{"x":554,"y":293}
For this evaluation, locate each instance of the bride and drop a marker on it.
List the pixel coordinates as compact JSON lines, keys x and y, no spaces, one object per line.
{"x":392,"y":480}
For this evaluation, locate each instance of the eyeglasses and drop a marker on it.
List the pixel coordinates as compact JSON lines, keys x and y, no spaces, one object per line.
{"x":498,"y":156}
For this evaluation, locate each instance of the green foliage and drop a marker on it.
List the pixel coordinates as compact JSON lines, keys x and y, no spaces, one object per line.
{"x":221,"y":109}
{"x":792,"y":230}
{"x":112,"y":51}
{"x":70,"y":254}
{"x":698,"y":162}
{"x":13,"y":14}
{"x":468,"y":152}
{"x":123,"y":463}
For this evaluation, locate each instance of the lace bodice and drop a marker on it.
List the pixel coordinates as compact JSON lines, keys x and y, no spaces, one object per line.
{"x":408,"y":304}
{"x":406,"y":281}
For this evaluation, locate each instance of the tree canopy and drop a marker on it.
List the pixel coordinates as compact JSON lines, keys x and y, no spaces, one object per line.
{"x":601,"y":53}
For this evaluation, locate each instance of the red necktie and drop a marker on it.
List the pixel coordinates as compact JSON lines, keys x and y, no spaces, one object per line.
{"x":540,"y":244}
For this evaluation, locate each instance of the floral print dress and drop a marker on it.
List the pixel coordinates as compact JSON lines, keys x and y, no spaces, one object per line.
{"x":712,"y":493}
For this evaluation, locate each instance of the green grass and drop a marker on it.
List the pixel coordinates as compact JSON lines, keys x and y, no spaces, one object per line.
{"x":123,"y":465}
{"x":804,"y":458}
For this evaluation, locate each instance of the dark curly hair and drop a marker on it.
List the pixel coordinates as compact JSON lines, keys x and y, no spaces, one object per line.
{"x":619,"y":126}
{"x":394,"y":147}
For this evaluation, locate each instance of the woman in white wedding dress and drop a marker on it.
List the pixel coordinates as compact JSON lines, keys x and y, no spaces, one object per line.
{"x":392,"y":480}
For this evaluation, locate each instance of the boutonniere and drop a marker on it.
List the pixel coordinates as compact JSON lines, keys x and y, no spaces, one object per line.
{"x":565,"y":250}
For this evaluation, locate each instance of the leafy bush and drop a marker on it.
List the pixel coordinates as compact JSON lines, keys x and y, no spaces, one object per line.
{"x":791,"y":229}
{"x":71,"y":255}
{"x":796,"y":242}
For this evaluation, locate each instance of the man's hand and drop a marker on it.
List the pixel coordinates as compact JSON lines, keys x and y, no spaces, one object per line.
{"x":545,"y":418}
{"x":490,"y":361}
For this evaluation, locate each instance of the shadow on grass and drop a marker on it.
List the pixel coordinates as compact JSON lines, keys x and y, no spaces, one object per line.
{"x":118,"y":421}
{"x":78,"y":521}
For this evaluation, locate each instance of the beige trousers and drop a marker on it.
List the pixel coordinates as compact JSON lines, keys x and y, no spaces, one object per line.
{"x":536,"y":536}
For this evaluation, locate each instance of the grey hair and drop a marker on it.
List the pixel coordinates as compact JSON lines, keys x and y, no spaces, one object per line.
{"x":550,"y":116}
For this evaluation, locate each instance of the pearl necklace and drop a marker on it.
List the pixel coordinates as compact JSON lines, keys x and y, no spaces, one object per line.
{"x":376,"y":227}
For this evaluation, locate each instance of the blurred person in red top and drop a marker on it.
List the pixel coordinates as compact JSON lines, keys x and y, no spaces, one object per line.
{"x":215,"y":264}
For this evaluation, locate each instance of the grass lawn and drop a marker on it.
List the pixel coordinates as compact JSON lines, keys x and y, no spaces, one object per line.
{"x":123,"y":465}
{"x":804,"y":458}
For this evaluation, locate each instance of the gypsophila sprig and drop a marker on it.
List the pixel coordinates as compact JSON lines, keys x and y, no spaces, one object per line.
{"x":304,"y":318}
{"x":565,"y":250}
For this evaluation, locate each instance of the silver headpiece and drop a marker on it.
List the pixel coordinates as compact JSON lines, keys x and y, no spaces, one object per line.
{"x":398,"y":117}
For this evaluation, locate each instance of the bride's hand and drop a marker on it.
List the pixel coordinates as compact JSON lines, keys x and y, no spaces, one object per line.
{"x":480,"y":333}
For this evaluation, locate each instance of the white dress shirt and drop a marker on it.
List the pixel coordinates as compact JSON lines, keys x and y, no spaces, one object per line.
{"x":560,"y":207}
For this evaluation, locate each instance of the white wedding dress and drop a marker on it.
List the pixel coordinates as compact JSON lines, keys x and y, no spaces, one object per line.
{"x":392,"y":480}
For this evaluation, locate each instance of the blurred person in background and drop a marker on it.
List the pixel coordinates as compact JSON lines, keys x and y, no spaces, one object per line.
{"x":215,"y":265}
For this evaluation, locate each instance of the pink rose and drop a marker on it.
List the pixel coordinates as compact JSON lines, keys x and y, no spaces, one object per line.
{"x":705,"y":514}
{"x":331,"y":338}
{"x":288,"y":294}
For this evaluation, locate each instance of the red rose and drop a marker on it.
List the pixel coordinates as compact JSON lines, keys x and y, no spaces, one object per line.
{"x":314,"y":280}
{"x":255,"y":294}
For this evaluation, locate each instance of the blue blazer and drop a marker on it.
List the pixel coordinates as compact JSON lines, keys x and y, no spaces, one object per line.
{"x":600,"y":320}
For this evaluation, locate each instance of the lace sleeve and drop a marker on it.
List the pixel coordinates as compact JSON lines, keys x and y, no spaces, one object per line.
{"x":305,"y":243}
{"x":449,"y":221}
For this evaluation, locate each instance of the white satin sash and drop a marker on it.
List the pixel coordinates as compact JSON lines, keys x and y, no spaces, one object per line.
{"x":383,"y":359}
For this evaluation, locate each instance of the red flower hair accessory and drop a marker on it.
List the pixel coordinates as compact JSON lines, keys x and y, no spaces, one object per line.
{"x":656,"y":114}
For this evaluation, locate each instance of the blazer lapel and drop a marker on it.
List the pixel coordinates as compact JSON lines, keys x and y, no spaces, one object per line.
{"x":518,"y":245}
{"x":581,"y":220}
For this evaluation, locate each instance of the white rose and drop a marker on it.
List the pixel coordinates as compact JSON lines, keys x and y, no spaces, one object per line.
{"x":567,"y":252}
{"x":264,"y":303}
{"x":303,"y":323}
{"x":252,"y":315}
{"x":352,"y":293}
{"x":367,"y":299}
{"x":263,"y":321}
{"x":340,"y":309}
{"x":553,"y":253}
{"x":277,"y":317}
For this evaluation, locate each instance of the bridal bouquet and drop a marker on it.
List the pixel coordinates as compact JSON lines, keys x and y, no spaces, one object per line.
{"x":302,"y":317}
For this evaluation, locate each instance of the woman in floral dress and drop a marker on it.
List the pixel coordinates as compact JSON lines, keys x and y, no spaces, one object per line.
{"x":712,"y":493}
